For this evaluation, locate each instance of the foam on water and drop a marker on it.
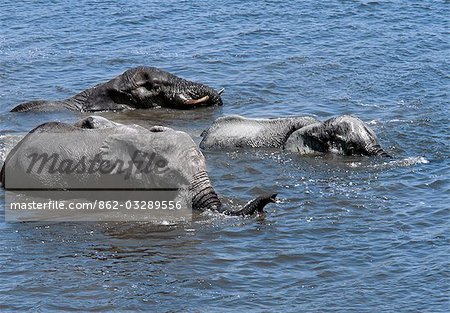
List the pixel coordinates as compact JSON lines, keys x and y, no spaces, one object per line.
{"x":393,"y":163}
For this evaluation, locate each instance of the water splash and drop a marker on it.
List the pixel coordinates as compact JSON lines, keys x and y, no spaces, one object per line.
{"x":410,"y":161}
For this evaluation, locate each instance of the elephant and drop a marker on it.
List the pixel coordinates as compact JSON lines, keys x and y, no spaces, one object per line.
{"x":137,"y":88}
{"x":180,"y":163}
{"x":345,"y":134}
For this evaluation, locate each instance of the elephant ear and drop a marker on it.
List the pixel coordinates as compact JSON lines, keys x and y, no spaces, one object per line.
{"x":308,"y":140}
{"x":141,"y":162}
{"x":106,"y":98}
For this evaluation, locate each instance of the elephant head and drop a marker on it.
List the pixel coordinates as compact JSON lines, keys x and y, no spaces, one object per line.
{"x":137,"y":88}
{"x":344,"y":134}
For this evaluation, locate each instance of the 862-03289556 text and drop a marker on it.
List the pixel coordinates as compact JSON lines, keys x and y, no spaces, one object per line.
{"x":97,"y":205}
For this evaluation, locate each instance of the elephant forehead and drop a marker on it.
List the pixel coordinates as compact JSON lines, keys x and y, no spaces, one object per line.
{"x":149,"y":74}
{"x":350,"y":128}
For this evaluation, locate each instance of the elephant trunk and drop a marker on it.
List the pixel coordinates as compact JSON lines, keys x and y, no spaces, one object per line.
{"x":255,"y":206}
{"x":203,"y":195}
{"x":205,"y":198}
{"x":378,"y":151}
{"x":187,"y":94}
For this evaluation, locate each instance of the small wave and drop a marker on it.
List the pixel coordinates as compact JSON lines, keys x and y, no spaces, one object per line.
{"x":370,"y":3}
{"x":394,"y":163}
{"x":374,"y":122}
{"x":410,"y":161}
{"x":7,"y":142}
{"x":369,"y":105}
{"x":397,"y":120}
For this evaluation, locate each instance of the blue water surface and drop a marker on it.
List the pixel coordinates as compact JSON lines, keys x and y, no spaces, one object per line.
{"x":350,"y":234}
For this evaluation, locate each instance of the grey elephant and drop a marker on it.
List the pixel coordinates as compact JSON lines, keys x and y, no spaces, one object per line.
{"x":63,"y":157}
{"x":137,"y":88}
{"x":344,"y":134}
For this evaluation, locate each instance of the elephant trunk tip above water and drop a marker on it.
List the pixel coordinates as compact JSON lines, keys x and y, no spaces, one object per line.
{"x":137,"y":88}
{"x":255,"y":206}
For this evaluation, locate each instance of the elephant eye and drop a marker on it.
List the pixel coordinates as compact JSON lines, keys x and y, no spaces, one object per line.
{"x":149,"y":85}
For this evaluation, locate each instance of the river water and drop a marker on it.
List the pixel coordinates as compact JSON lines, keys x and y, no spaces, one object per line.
{"x":350,"y":234}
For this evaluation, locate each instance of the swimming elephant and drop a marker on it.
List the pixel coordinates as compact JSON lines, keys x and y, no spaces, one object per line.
{"x":344,"y":134}
{"x":63,"y":155}
{"x":137,"y":88}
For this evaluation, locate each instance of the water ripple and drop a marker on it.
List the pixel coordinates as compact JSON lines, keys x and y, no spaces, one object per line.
{"x":347,"y":235}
